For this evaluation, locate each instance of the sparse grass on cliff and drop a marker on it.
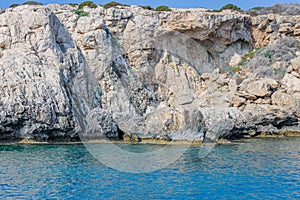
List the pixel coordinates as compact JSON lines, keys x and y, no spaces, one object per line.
{"x":162,"y":8}
{"x":89,"y":4}
{"x":232,"y":69}
{"x":32,"y":3}
{"x":80,"y":13}
{"x":113,"y":4}
{"x":254,"y":11}
{"x":264,"y":60}
{"x":282,"y":9}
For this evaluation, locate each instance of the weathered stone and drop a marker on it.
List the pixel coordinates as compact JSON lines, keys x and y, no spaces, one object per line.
{"x":232,"y":86}
{"x":223,"y":123}
{"x":297,"y":30}
{"x":269,"y":29}
{"x":283,"y":100}
{"x":291,"y":83}
{"x":238,"y":101}
{"x":174,"y":122}
{"x":295,"y":64}
{"x":262,"y":116}
{"x":235,"y":60}
{"x":267,"y":130}
{"x":285,"y":28}
{"x":246,"y":95}
{"x":263,"y":101}
{"x":273,"y":83}
{"x":259,"y":88}
{"x":100,"y":125}
{"x":42,"y":78}
{"x":296,"y":74}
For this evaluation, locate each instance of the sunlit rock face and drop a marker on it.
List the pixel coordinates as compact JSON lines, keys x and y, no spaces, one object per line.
{"x":43,"y":74}
{"x":176,"y":75}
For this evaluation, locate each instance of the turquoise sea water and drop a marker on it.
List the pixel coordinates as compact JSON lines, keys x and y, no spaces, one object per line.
{"x":256,"y":169}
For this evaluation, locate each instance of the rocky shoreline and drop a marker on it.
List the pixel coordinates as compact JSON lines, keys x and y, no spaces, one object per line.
{"x":27,"y":141}
{"x":188,"y":74}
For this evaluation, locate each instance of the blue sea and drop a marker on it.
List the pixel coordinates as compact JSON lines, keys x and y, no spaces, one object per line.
{"x":252,"y":169}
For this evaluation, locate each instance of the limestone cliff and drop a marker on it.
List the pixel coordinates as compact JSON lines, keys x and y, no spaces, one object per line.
{"x":186,"y":74}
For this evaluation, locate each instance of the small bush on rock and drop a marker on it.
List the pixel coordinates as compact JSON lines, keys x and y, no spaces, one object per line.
{"x":162,"y":8}
{"x":232,"y":69}
{"x":231,"y":7}
{"x":80,"y":13}
{"x":89,"y":4}
{"x":32,"y":3}
{"x":113,"y":4}
{"x":228,"y":7}
{"x":147,"y":7}
{"x":14,"y":5}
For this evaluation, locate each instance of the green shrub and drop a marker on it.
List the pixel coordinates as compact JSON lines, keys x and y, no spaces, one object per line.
{"x":32,"y":3}
{"x":231,"y":7}
{"x":147,"y":7}
{"x":80,"y":13}
{"x":89,"y":4}
{"x":162,"y":8}
{"x":250,"y":54}
{"x":232,"y":69}
{"x":113,"y":4}
{"x":14,"y":5}
{"x":267,"y":54}
{"x":228,"y":7}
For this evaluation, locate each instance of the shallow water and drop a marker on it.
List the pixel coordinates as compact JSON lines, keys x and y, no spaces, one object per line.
{"x":256,"y":169}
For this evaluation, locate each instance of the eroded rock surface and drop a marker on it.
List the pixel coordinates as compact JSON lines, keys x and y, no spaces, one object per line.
{"x":180,"y":76}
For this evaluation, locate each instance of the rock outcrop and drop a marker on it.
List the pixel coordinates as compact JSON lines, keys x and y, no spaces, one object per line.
{"x":101,"y":72}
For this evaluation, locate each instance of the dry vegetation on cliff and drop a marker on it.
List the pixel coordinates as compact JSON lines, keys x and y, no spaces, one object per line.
{"x":272,"y":61}
{"x":281,"y":9}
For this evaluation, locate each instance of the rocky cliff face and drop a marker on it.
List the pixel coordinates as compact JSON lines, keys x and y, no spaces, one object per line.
{"x":185,"y":74}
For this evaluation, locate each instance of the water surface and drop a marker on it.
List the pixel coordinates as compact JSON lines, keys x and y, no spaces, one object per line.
{"x":256,"y":169}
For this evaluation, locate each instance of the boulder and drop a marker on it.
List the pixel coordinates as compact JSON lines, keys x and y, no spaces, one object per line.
{"x":262,"y":88}
{"x":235,"y":60}
{"x":285,"y":101}
{"x":295,"y":64}
{"x":178,"y":123}
{"x":262,"y":116}
{"x":285,"y":28}
{"x":291,"y":83}
{"x":223,"y":122}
